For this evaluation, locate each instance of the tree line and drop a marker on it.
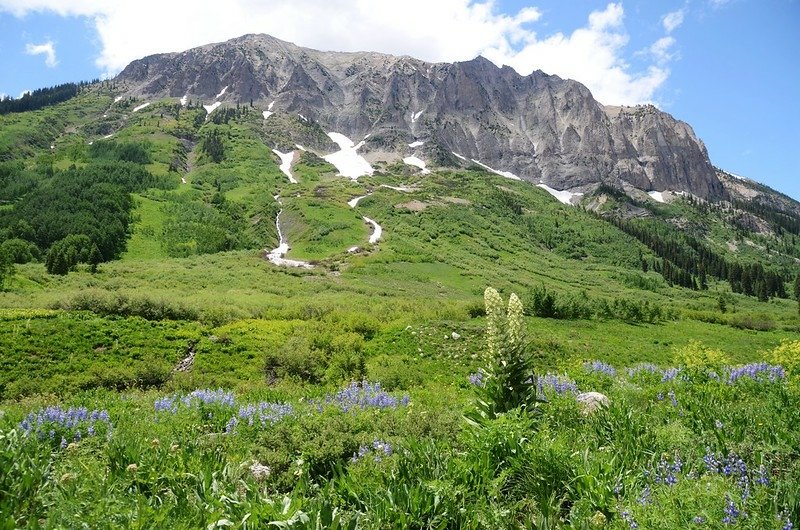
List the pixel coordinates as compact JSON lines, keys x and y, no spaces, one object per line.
{"x":79,"y":215}
{"x":41,"y":97}
{"x":688,"y":262}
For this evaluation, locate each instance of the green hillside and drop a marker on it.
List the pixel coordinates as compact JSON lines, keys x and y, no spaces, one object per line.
{"x":136,"y":280}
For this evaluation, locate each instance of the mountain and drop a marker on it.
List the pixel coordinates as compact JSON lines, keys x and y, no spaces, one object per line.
{"x":542,"y":128}
{"x":242,"y":146}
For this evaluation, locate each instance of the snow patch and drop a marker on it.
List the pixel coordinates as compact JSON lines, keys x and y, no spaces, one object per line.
{"x":221,"y":93}
{"x":211,"y":108}
{"x":506,"y":174}
{"x":734,"y":175}
{"x":564,"y":197}
{"x":352,"y":203}
{"x":415,"y":116}
{"x":140,"y":107}
{"x":183,"y":180}
{"x":417,"y":162}
{"x":90,"y":143}
{"x":271,"y":105}
{"x":286,"y":164}
{"x":117,"y":99}
{"x":353,"y":250}
{"x":377,"y":231}
{"x":349,"y":163}
{"x":106,"y":137}
{"x":267,"y":114}
{"x":404,"y":189}
{"x":418,"y":143}
{"x":300,"y":147}
{"x":303,"y":117}
{"x":276,"y":255}
{"x":459,"y":156}
{"x":105,"y":115}
{"x":184,"y":100}
{"x":657,"y":196}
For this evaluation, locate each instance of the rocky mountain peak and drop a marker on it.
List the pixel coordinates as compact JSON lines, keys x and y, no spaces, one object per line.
{"x":540,"y":127}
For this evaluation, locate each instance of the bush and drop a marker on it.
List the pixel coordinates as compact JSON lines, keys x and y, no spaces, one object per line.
{"x":297,"y":359}
{"x":754,"y":322}
{"x":119,"y":304}
{"x":20,"y":251}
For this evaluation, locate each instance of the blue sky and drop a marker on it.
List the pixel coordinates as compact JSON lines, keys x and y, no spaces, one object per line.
{"x":730,"y":68}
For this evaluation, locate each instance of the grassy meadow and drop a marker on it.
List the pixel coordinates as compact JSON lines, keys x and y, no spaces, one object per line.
{"x":191,"y":383}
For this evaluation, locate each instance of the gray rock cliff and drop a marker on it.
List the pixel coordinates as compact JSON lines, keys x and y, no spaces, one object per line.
{"x":541,"y":127}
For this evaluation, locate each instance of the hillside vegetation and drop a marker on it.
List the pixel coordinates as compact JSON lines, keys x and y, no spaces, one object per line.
{"x":159,"y":369}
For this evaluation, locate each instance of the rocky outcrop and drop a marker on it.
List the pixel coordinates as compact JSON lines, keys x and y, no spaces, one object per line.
{"x":540,"y":127}
{"x":742,"y":189}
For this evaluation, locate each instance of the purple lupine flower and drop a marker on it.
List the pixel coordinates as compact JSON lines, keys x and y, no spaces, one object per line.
{"x":560,"y":384}
{"x":628,"y":518}
{"x":760,"y":372}
{"x":644,"y":496}
{"x":672,"y":398}
{"x":477,"y":378}
{"x":230,"y":427}
{"x":600,"y":367}
{"x":361,"y":453}
{"x":167,"y":404}
{"x":732,"y":513}
{"x":643,"y":367}
{"x":264,"y":413}
{"x":54,"y":422}
{"x":379,"y":449}
{"x":363,"y":396}
{"x":699,"y":519}
{"x":763,"y":476}
{"x":667,"y":472}
{"x":670,"y":374}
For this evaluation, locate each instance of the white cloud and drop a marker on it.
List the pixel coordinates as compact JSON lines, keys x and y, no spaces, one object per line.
{"x":440,"y":30}
{"x":661,"y":49}
{"x":673,"y":20}
{"x":716,"y":4}
{"x":593,"y":55}
{"x":23,"y":93}
{"x":47,"y":49}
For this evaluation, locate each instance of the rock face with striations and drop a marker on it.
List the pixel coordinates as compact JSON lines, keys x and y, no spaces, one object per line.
{"x":542,"y":128}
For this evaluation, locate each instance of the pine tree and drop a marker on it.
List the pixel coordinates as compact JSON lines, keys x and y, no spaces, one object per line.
{"x":797,"y":291}
{"x":94,"y":258}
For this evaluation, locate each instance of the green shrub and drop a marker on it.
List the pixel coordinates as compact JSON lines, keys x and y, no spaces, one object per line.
{"x":20,"y":251}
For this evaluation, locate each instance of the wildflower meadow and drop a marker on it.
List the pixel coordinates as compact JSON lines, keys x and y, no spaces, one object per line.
{"x":506,"y":444}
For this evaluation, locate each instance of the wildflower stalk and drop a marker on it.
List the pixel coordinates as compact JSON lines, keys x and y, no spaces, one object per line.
{"x":494,"y":322}
{"x":507,"y":380}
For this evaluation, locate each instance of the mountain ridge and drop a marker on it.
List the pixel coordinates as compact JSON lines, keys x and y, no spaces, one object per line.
{"x":546,"y":129}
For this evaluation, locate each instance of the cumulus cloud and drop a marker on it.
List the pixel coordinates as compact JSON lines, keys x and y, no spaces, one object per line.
{"x":661,"y":49}
{"x":441,"y":30}
{"x":593,"y":54}
{"x":671,"y":21}
{"x":47,"y":49}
